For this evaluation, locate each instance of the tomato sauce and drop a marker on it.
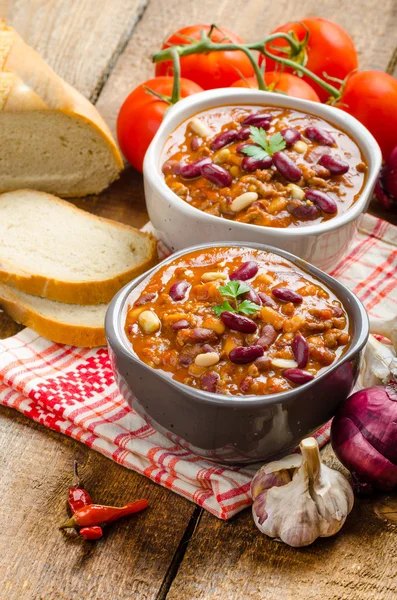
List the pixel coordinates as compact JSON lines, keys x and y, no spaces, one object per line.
{"x":236,"y":321}
{"x":302,"y":171}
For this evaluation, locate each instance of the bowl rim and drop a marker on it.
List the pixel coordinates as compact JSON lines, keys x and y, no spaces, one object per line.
{"x":115,"y":335}
{"x":190,"y":106}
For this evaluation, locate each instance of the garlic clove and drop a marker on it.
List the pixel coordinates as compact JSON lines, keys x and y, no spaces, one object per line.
{"x":314,"y":503}
{"x":379,"y":364}
{"x":385,"y":327}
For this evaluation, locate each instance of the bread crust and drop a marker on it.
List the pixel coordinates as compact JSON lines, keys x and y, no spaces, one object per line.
{"x":77,"y":292}
{"x":61,"y":333}
{"x":35,"y":83}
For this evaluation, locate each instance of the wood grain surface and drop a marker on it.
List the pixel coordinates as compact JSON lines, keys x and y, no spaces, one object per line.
{"x":174,"y":550}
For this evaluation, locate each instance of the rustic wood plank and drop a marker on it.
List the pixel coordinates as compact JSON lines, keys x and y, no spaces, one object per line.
{"x":233,"y":560}
{"x":37,"y":561}
{"x":80,"y":40}
{"x":372,"y":30}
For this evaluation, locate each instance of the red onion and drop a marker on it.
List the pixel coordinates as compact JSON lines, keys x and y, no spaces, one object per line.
{"x":364,"y":436}
{"x":386,"y":186}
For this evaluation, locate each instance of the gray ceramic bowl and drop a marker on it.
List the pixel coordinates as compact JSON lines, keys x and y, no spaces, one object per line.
{"x":234,"y":429}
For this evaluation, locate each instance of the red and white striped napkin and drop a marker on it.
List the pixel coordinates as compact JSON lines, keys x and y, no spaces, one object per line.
{"x":72,"y":390}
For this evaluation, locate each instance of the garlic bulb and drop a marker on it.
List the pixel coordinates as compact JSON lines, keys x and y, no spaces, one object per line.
{"x":385,"y":327}
{"x":379,"y":364}
{"x":298,"y":499}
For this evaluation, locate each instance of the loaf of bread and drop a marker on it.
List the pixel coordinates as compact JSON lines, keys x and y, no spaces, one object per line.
{"x":50,"y":248}
{"x":70,"y":324}
{"x":51,"y":138}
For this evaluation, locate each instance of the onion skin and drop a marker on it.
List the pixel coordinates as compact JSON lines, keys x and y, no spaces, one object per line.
{"x":364,"y":436}
{"x":386,"y":185}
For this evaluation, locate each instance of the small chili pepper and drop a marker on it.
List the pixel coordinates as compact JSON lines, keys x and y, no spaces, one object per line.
{"x":94,"y":514}
{"x":91,"y":533}
{"x":79,"y":497}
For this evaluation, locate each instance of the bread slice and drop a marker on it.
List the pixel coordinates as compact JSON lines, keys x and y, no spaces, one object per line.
{"x":52,"y":138}
{"x":70,"y":324}
{"x":52,"y":249}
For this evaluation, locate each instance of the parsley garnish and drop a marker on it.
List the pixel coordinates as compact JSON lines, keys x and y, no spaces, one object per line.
{"x":265,"y":147}
{"x":232,"y":290}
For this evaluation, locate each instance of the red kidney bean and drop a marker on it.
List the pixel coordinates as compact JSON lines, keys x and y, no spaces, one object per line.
{"x":253,"y":296}
{"x":182,"y":324}
{"x":247,"y":270}
{"x":207,"y":348}
{"x":195,"y":143}
{"x":185,"y":359}
{"x":286,"y":166}
{"x":267,"y":337}
{"x":322,"y":200}
{"x":243,"y":133}
{"x":256,"y":118}
{"x":267,"y":300}
{"x":178,"y":290}
{"x":337,"y":310}
{"x":171,"y":166}
{"x":245,"y":384}
{"x":223,"y":139}
{"x":193,"y":169}
{"x":242,"y":355}
{"x":300,"y":349}
{"x":216,"y":175}
{"x":316,"y":134}
{"x":286,"y":295}
{"x":263,"y":363}
{"x":297,"y":376}
{"x":250,"y":163}
{"x":290,"y":135}
{"x":238,"y":322}
{"x":145,"y":298}
{"x":302,"y":210}
{"x":208,"y":381}
{"x":199,"y":335}
{"x":337,"y":166}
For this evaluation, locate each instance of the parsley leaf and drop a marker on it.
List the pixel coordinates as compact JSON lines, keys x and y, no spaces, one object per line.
{"x":277,"y":143}
{"x":222,"y":308}
{"x":255,"y":151}
{"x":248,"y":308}
{"x":234,"y":289}
{"x":264,"y":146}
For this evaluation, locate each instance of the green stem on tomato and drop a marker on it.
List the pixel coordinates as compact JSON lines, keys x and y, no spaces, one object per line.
{"x":333,"y":91}
{"x":205,"y":45}
{"x":176,"y":88}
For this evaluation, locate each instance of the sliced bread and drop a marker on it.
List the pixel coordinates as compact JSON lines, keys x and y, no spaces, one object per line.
{"x":52,"y":249}
{"x":52,"y":138}
{"x":62,"y":323}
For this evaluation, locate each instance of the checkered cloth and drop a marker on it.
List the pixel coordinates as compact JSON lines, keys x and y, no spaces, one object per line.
{"x":72,"y":390}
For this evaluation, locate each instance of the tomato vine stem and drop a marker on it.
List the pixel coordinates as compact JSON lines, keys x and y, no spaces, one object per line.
{"x":205,"y":45}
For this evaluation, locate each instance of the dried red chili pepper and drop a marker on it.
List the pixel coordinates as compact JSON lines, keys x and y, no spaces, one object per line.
{"x":91,"y":533}
{"x":94,"y":514}
{"x":79,"y":497}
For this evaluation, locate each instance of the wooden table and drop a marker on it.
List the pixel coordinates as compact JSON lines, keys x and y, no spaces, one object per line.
{"x":175,"y":550}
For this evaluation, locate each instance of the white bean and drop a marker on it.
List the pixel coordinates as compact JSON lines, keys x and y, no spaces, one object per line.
{"x":284,"y":363}
{"x":296,"y":191}
{"x":243,"y":201}
{"x":300,"y":147}
{"x":208,"y":359}
{"x":149,"y":321}
{"x":222,"y":156}
{"x":199,"y":127}
{"x":213,"y":276}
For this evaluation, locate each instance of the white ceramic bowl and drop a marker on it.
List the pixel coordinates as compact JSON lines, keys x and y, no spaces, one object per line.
{"x":180,"y":225}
